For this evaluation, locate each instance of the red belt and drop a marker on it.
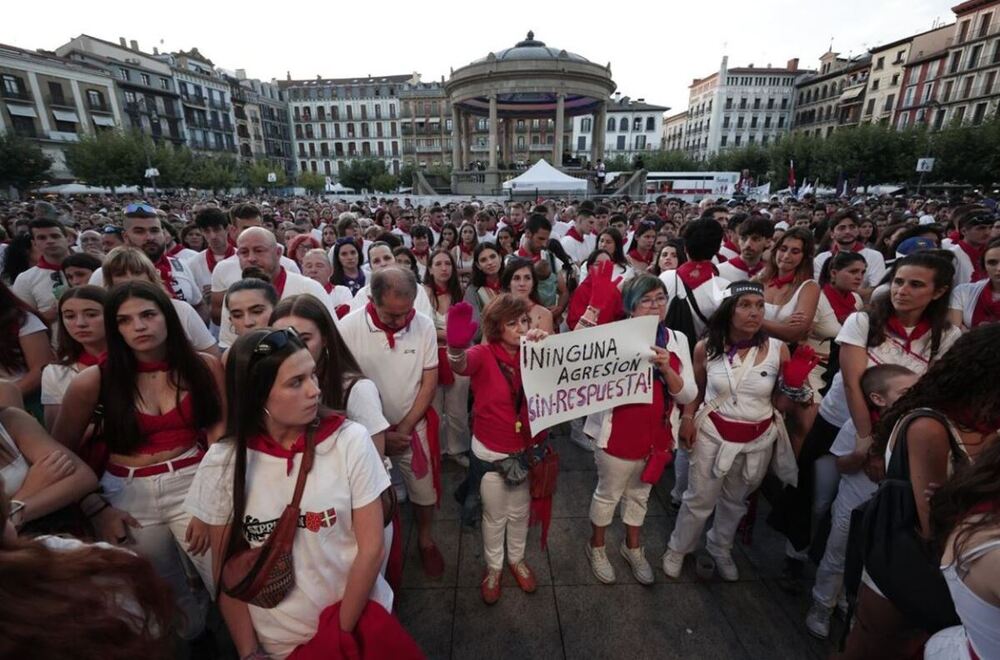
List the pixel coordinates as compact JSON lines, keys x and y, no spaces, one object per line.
{"x":151,"y":470}
{"x":739,"y":432}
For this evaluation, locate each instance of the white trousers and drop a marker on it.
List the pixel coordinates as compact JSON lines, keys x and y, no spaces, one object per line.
{"x":706,"y":492}
{"x":682,"y":461}
{"x":420,"y":491}
{"x":505,"y":513}
{"x":618,"y":480}
{"x":451,"y":402}
{"x":157,"y":503}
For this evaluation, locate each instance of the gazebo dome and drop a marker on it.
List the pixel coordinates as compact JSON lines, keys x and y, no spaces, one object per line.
{"x":530,"y":49}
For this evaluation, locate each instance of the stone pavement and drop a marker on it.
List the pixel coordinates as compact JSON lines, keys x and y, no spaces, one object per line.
{"x":575,"y":617}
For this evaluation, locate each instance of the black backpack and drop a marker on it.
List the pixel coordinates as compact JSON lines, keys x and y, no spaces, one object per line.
{"x":883,"y":540}
{"x":681,"y":311}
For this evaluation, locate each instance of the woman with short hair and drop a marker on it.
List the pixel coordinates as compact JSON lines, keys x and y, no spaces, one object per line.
{"x":518,"y":278}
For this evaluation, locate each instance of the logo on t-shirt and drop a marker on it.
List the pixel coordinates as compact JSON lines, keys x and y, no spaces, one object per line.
{"x":257,"y":531}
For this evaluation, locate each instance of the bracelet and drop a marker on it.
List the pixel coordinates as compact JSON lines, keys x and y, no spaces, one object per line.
{"x":89,"y":506}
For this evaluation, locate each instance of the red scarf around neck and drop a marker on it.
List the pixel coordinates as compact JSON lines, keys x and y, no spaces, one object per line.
{"x":89,"y":360}
{"x":857,"y":247}
{"x":976,"y":257}
{"x":843,"y":303}
{"x":729,"y":245}
{"x":493,"y":285}
{"x":172,"y":252}
{"x":420,"y":253}
{"x":779,"y":281}
{"x":46,"y":265}
{"x":738,"y":263}
{"x":212,"y":261}
{"x":696,"y":273}
{"x":894,"y":326}
{"x":521,"y":252}
{"x":987,"y":309}
{"x":265,"y":444}
{"x":639,"y":256}
{"x":575,"y":234}
{"x":150,"y":367}
{"x":390,"y":333}
{"x":279,"y":281}
{"x":166,"y":275}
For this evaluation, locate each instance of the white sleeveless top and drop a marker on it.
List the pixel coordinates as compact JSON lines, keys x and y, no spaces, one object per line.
{"x":15,"y":472}
{"x":980,"y":618}
{"x":748,"y":398}
{"x":774,"y":312}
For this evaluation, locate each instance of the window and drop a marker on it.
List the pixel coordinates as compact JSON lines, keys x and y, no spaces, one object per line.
{"x":725,"y":122}
{"x":753,"y":122}
{"x":739,"y":139}
{"x":129,"y":98}
{"x":94,"y":99}
{"x":928,"y":92}
{"x":947,"y":91}
{"x":963,"y":31}
{"x":956,"y":58}
{"x":123,"y":74}
{"x":908,"y":98}
{"x":764,"y":139}
{"x":781,"y":122}
{"x":880,"y":64}
{"x":743,"y":104}
{"x":729,"y":103}
{"x":620,"y":143}
{"x":988,"y":83}
{"x":875,"y":84}
{"x":756,"y":104}
{"x":984,"y":23}
{"x":770,"y":104}
{"x":623,"y":125}
{"x":581,"y":143}
{"x":767,"y":122}
{"x":144,"y":78}
{"x":751,"y":139}
{"x":895,"y":80}
{"x":739,"y":122}
{"x":967,"y":88}
{"x":996,"y":52}
{"x":904,"y":119}
{"x":520,"y":142}
{"x":637,"y":124}
{"x":974,"y":56}
{"x":784,"y":103}
{"x":585,"y":124}
{"x":611,"y":124}
{"x":640,"y":142}
{"x":959,"y":115}
{"x":56,"y":93}
{"x":723,"y":140}
{"x":871,"y":107}
{"x":650,"y":123}
{"x":889,"y":103}
{"x":979,"y":113}
{"x":164,"y":83}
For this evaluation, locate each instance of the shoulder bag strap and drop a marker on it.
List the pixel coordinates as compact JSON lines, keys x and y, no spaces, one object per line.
{"x":694,"y":303}
{"x":900,"y":453}
{"x":306,"y":466}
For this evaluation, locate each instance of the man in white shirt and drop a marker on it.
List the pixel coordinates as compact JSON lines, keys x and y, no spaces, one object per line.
{"x":754,"y":234}
{"x":257,"y":247}
{"x":844,"y":230}
{"x":396,"y":347}
{"x":228,"y":271}
{"x":379,"y":258}
{"x":403,"y":225}
{"x":974,"y":224}
{"x":580,"y":240}
{"x":214,"y":226}
{"x":40,"y":285}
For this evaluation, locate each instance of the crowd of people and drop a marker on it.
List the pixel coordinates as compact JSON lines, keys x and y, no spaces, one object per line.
{"x":225,"y":402}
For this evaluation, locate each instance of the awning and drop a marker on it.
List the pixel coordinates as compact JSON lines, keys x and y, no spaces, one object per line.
{"x":103,"y":120}
{"x":852,"y":94}
{"x":21,"y":110}
{"x":66,"y":115}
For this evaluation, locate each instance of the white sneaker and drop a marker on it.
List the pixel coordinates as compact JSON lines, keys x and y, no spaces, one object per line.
{"x":818,"y":620}
{"x":725,"y":566}
{"x":599,"y":564}
{"x":636,"y":559}
{"x":673,"y":562}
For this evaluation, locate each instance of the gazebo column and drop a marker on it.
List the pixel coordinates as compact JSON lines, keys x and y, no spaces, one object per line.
{"x":598,"y":132}
{"x":467,"y":140}
{"x":557,"y":143}
{"x":493,"y":131}
{"x":456,"y":139}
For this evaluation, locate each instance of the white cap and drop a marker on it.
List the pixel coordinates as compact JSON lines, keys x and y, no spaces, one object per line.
{"x":926,"y":219}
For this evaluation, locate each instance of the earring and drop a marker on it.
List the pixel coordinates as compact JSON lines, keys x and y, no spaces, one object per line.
{"x":267,"y":412}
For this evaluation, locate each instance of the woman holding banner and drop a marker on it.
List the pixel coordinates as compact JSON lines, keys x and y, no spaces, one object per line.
{"x":734,"y":428}
{"x":634,"y":442}
{"x":500,"y":431}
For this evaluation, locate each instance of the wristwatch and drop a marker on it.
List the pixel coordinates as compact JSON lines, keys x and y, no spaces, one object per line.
{"x":16,"y":515}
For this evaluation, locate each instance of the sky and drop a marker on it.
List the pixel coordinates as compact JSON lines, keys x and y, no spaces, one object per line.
{"x":655,"y":47}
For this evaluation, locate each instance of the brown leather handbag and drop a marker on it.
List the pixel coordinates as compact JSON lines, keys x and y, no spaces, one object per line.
{"x":264,"y":576}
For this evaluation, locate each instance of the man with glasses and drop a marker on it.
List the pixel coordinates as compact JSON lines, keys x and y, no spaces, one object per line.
{"x":397,"y":349}
{"x":144,"y":231}
{"x":40,"y":285}
{"x":404,"y":223}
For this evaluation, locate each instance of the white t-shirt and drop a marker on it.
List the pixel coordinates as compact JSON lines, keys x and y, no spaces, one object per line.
{"x":364,"y":406}
{"x":874,"y":259}
{"x":855,"y":488}
{"x":421,"y":303}
{"x":55,"y":381}
{"x":294,"y":285}
{"x":347,"y":474}
{"x":29,"y":326}
{"x":407,"y":240}
{"x":194,"y":327}
{"x":35,"y":287}
{"x":396,"y":371}
{"x":708,"y":295}
{"x":855,"y":333}
{"x":578,"y":250}
{"x":228,"y":272}
{"x":559,"y":229}
{"x":185,"y":254}
{"x":184,"y":287}
{"x":964,"y":298}
{"x":198,"y":265}
{"x":729,"y":272}
{"x":963,"y":265}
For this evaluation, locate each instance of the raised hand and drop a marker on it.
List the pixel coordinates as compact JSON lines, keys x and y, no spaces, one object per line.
{"x":796,"y":370}
{"x":604,"y":293}
{"x":461,"y":327}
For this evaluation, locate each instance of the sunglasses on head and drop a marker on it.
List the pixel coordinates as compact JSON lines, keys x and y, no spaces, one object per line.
{"x":140,"y":208}
{"x":275,"y":341}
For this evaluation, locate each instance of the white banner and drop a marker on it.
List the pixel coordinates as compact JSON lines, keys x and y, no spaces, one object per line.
{"x":571,"y":375}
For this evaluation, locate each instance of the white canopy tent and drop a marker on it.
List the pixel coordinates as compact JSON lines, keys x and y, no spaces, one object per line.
{"x":82,"y":189}
{"x":543,"y":177}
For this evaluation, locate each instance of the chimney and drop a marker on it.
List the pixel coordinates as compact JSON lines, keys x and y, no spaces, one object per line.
{"x":750,"y":66}
{"x":640,"y":100}
{"x":156,"y":51}
{"x":793,"y":64}
{"x":135,"y":45}
{"x":122,"y":43}
{"x":241,"y":74}
{"x":288,"y":75}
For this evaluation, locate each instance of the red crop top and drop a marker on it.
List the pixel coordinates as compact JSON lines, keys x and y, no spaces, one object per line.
{"x":171,"y":430}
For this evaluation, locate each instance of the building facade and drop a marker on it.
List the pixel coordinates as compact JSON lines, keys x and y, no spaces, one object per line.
{"x":673,"y":131}
{"x":269,"y":121}
{"x":206,"y":99}
{"x":969,"y":86}
{"x":833,"y":97}
{"x":924,"y":67}
{"x":52,"y":101}
{"x":633,"y":127}
{"x":886,"y":84}
{"x":735,"y":107}
{"x":146,"y":89}
{"x":335,"y":120}
{"x":425,"y":124}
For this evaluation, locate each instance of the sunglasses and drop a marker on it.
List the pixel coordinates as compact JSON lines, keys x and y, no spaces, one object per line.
{"x":111,"y":229}
{"x":140,"y":208}
{"x":275,"y":341}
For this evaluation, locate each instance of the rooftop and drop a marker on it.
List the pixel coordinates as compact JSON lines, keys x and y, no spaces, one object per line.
{"x":326,"y":82}
{"x":531,"y":49}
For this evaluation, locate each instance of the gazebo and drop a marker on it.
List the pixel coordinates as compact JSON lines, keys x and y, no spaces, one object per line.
{"x":529,"y":81}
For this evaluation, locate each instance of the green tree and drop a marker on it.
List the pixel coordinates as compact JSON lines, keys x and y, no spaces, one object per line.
{"x":109,"y":158}
{"x":215,"y":173}
{"x":22,"y":163}
{"x":406,"y":175}
{"x":359,"y":173}
{"x":385,"y":182}
{"x":313,"y":182}
{"x":257,"y":174}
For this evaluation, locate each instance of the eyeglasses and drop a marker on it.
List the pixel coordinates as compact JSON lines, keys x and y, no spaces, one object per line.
{"x":140,"y":209}
{"x":658,"y":301}
{"x":274,"y":341}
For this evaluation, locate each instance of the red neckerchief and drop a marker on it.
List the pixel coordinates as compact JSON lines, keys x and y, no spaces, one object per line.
{"x":638,"y":256}
{"x":212,"y":261}
{"x":738,"y":263}
{"x":166,"y":274}
{"x":440,"y":290}
{"x":46,"y":265}
{"x":779,"y":281}
{"x":390,"y":333}
{"x":150,"y":367}
{"x":857,"y":247}
{"x":894,"y":326}
{"x":843,"y":304}
{"x":175,"y":249}
{"x":729,"y":245}
{"x":696,"y":273}
{"x":955,"y":235}
{"x":265,"y":444}
{"x":328,"y":286}
{"x":575,"y":234}
{"x":461,"y":248}
{"x":420,"y":253}
{"x":521,"y":252}
{"x":279,"y":281}
{"x":493,"y":286}
{"x":89,"y":360}
{"x":976,"y":257}
{"x":987,"y":310}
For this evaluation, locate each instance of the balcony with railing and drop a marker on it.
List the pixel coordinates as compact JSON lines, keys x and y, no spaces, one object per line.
{"x":60,"y":102}
{"x":19,"y":94}
{"x":194,"y":99}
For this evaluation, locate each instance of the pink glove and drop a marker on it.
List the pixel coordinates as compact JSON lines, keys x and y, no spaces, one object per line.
{"x":604,"y":293}
{"x":796,"y":370}
{"x":460,"y":328}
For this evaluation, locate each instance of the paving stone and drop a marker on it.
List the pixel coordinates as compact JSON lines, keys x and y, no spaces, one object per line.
{"x":519,"y":627}
{"x":428,"y":616}
{"x":765,"y":631}
{"x":472,"y":563}
{"x":446,"y":536}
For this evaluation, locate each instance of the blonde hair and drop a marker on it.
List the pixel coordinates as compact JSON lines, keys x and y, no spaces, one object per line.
{"x":128,"y":260}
